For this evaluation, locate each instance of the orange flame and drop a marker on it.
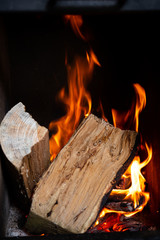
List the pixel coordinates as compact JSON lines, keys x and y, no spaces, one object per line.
{"x":136,"y":191}
{"x":77,"y":102}
{"x":76,"y":22}
{"x":102,"y":112}
{"x":137,"y":188}
{"x":131,"y":117}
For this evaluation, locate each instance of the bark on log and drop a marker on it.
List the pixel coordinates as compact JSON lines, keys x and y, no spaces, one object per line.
{"x":74,"y":189}
{"x":26,"y":145}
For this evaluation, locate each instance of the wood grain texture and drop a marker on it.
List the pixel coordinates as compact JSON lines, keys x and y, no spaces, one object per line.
{"x":26,"y":145}
{"x":71,"y":192}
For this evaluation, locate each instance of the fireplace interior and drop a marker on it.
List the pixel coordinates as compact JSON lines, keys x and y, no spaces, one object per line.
{"x":33,"y":47}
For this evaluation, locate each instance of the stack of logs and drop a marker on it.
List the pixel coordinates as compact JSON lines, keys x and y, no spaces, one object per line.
{"x":67,"y":194}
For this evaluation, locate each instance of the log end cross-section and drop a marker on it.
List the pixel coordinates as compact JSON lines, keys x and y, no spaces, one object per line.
{"x":71,"y":193}
{"x":26,"y":145}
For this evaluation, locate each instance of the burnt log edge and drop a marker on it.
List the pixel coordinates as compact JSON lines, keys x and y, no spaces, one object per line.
{"x":119,"y":174}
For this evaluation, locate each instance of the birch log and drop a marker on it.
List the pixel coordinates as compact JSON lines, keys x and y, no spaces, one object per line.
{"x":73,"y":190}
{"x":26,"y":146}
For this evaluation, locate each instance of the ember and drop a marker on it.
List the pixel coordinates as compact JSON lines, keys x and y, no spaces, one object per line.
{"x":115,"y":222}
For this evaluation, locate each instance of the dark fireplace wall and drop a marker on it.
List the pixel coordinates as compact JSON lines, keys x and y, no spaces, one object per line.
{"x":4,"y":83}
{"x":127,"y":46}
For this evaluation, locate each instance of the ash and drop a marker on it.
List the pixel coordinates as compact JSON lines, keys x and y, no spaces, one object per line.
{"x":15,"y":225}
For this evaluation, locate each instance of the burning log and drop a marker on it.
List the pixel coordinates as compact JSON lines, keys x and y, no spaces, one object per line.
{"x":26,"y":145}
{"x":120,"y":206}
{"x":73,"y":190}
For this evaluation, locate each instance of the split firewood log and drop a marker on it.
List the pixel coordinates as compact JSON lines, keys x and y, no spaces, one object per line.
{"x":26,"y":146}
{"x":75,"y":187}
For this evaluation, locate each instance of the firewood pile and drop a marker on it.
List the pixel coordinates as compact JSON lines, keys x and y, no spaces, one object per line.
{"x":66,"y":195}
